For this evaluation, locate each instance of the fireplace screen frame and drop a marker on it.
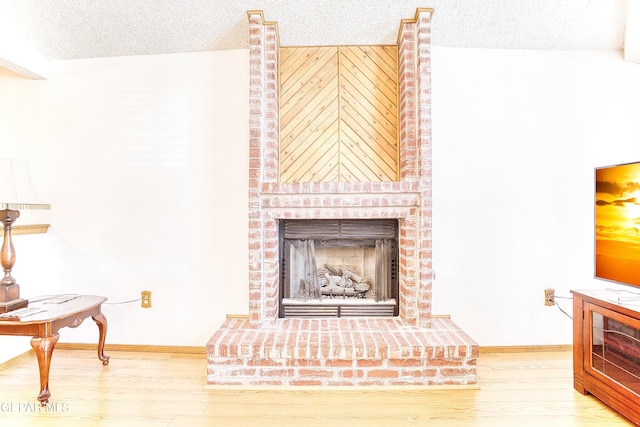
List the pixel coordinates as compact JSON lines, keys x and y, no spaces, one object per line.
{"x":380,"y":236}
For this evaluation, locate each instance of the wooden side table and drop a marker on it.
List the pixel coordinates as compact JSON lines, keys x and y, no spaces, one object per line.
{"x":42,"y":319}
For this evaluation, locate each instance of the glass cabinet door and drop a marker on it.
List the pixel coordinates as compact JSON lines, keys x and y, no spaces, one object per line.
{"x":615,"y":348}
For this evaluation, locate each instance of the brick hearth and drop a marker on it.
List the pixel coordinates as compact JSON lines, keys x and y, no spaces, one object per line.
{"x":413,"y":348}
{"x":341,"y":352}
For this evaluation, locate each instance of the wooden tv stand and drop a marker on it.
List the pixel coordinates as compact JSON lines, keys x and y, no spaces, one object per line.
{"x":606,"y":350}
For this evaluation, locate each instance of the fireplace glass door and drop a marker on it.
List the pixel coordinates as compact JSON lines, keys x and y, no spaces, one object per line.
{"x":336,"y":268}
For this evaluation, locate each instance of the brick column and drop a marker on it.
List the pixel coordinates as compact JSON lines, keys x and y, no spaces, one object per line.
{"x":408,"y":154}
{"x":423,"y":68}
{"x":414,"y":80}
{"x":263,"y":165}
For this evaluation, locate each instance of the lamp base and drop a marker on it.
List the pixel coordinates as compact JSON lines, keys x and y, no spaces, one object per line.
{"x":6,"y":307}
{"x":10,"y":298}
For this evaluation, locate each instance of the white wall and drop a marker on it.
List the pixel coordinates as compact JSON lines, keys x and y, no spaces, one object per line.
{"x":516,"y":137}
{"x":145,"y":161}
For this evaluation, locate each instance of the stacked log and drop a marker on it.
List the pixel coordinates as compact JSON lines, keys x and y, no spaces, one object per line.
{"x":342,"y":281}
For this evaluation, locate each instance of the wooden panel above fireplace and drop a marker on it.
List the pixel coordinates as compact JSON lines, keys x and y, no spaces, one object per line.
{"x":338,"y":114}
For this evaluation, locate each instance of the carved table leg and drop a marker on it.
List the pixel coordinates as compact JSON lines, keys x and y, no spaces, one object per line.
{"x":101,"y":321}
{"x":43,"y":346}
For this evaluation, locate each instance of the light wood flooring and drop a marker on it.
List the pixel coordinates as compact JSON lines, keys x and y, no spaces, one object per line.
{"x":168,"y":389}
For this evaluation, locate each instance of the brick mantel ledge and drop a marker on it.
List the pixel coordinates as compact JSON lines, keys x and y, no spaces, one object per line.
{"x":346,"y":200}
{"x":340,"y":187}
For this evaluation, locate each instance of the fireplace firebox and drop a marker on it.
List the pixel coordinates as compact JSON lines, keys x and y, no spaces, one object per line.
{"x":339,"y":268}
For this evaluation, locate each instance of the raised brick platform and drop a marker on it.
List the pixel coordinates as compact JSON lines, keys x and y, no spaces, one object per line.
{"x":341,"y":352}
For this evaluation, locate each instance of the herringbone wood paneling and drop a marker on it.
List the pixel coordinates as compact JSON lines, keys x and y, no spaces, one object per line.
{"x":338,"y":113}
{"x":309,"y":119}
{"x":369,"y":119}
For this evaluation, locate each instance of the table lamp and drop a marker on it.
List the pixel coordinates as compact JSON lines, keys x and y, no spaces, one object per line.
{"x":16,"y":193}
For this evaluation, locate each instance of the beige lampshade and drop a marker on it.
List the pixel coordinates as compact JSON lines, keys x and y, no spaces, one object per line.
{"x":16,"y":187}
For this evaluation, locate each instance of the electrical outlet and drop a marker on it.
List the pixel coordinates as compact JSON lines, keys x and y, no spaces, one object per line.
{"x":549,"y":296}
{"x":146,"y":299}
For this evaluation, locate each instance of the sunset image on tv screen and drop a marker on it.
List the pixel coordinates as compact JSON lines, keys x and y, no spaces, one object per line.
{"x":618,"y":223}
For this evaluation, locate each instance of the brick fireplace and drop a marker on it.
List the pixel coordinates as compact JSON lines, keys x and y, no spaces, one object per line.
{"x":413,"y":348}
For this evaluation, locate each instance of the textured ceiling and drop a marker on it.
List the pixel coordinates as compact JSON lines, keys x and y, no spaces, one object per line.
{"x":71,"y":29}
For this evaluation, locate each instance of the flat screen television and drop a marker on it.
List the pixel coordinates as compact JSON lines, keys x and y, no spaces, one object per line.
{"x":617,"y":223}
